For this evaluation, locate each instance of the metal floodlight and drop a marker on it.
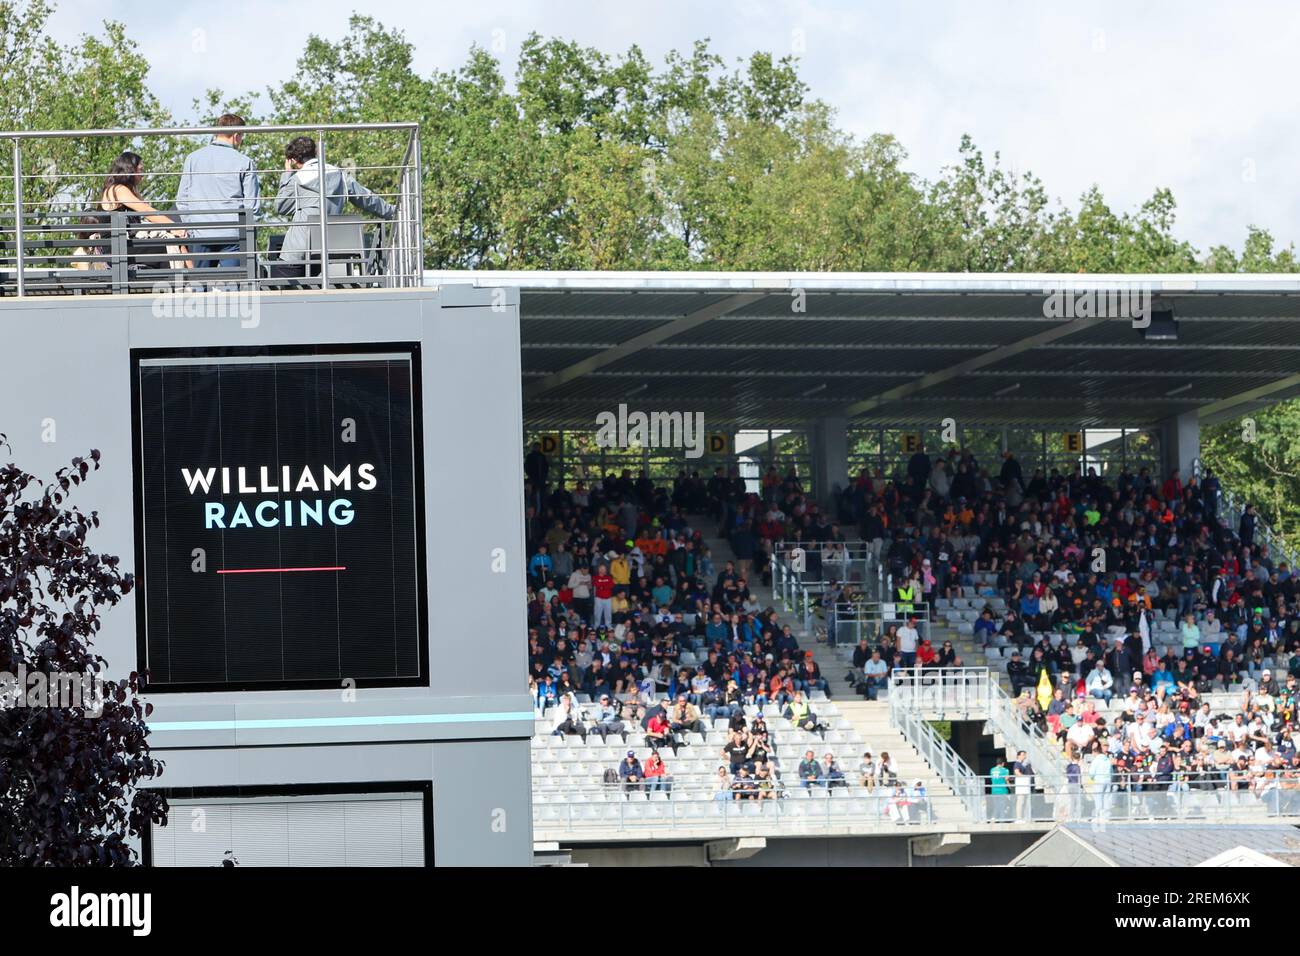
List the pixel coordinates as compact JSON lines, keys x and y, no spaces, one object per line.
{"x":1163,"y":326}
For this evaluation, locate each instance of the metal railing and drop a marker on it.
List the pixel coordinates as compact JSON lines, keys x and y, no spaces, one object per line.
{"x":985,"y":801}
{"x":79,"y":246}
{"x":793,"y":595}
{"x":848,"y":562}
{"x":937,"y":752}
{"x":802,"y":573}
{"x":973,"y":693}
{"x":869,"y":619}
{"x":943,"y":693}
{"x":1229,"y":510}
{"x":792,"y":806}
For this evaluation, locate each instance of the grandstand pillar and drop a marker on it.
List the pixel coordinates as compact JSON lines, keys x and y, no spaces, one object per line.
{"x":1181,"y":443}
{"x":830,"y":455}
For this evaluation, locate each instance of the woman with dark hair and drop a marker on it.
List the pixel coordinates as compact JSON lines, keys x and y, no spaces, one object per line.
{"x":121,"y":193}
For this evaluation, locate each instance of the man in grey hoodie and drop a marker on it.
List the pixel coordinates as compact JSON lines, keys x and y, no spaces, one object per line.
{"x":300,"y":198}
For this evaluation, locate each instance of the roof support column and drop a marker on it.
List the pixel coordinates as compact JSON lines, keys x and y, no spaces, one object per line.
{"x":1180,"y":441}
{"x":829,"y":439}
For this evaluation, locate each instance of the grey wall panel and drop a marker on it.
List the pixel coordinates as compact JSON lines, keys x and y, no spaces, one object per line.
{"x":481,"y":789}
{"x":485,"y":791}
{"x":67,"y":360}
{"x":361,"y":830}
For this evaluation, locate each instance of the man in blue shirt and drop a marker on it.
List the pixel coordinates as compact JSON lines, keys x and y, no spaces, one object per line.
{"x":217,"y":182}
{"x":1163,"y":679}
{"x":541,"y":564}
{"x":875,"y":674}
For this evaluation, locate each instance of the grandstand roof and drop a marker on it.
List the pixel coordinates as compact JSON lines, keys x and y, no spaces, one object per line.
{"x":895,"y":348}
{"x":1157,"y":844}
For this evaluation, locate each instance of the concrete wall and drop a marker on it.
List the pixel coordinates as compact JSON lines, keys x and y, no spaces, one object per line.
{"x":65,"y":361}
{"x":1181,"y":444}
{"x":995,"y":849}
{"x":830,"y":450}
{"x":985,"y":849}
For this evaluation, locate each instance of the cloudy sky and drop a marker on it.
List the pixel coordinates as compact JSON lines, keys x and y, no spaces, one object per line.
{"x":1193,"y":95}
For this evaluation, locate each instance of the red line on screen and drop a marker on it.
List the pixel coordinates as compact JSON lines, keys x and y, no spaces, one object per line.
{"x":277,"y":570}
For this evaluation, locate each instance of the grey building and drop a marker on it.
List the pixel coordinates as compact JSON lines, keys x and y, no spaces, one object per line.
{"x":328,"y":535}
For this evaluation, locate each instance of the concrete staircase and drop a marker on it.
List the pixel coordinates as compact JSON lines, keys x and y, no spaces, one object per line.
{"x":869,"y":718}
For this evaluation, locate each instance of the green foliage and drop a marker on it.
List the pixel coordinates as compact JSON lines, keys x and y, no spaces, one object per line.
{"x":99,"y":82}
{"x":598,"y":161}
{"x":1265,"y":470}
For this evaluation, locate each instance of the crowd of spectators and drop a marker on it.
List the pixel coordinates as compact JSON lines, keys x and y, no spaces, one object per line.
{"x":1091,"y":574}
{"x":1089,"y":571}
{"x":633,"y":631}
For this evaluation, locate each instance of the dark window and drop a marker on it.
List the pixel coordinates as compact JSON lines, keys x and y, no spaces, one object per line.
{"x":279,"y":518}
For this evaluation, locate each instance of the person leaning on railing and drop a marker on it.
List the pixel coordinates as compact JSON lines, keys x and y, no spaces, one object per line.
{"x":217,"y":182}
{"x":300,"y":197}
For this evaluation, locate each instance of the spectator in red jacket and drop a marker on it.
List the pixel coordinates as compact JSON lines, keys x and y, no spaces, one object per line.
{"x":926,"y":655}
{"x":656,"y":774}
{"x":1172,"y":489}
{"x":602,"y":586}
{"x":659,"y":733}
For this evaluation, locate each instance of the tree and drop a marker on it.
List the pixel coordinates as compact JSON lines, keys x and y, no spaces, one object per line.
{"x":1259,"y":461}
{"x":70,"y":770}
{"x":98,"y":83}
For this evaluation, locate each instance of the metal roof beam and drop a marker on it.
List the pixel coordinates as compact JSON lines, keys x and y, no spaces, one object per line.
{"x":1073,"y":373}
{"x":927,"y":346}
{"x":646,"y":339}
{"x":1223,"y":408}
{"x":1063,"y":330}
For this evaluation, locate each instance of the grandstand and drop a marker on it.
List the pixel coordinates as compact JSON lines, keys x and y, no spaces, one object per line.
{"x":800,"y":372}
